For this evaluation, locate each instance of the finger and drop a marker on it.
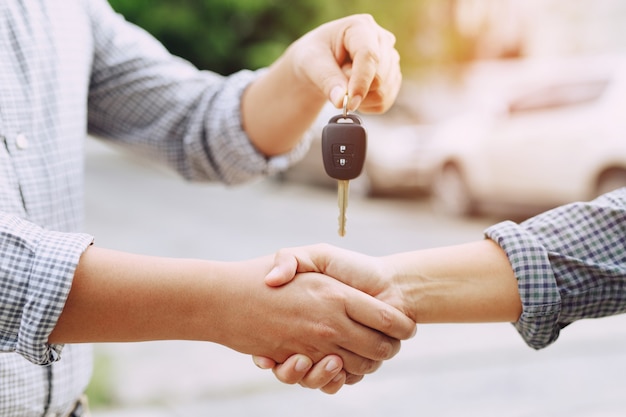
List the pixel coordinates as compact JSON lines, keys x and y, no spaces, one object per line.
{"x":364,"y":68}
{"x":362,"y":41}
{"x":335,"y":384}
{"x":379,"y":315}
{"x":356,"y":364}
{"x":263,"y":362}
{"x":384,"y":87}
{"x":323,"y":373}
{"x":364,"y":350}
{"x":385,"y":83}
{"x":284,"y":270}
{"x":353,"y":39}
{"x":352,"y":379}
{"x":294,"y":369}
{"x":326,"y":74}
{"x":352,"y":268}
{"x":287,"y":262}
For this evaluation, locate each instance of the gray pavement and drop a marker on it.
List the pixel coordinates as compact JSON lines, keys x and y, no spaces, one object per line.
{"x":446,"y":370}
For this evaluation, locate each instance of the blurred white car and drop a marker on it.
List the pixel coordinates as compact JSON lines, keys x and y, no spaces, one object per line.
{"x":552,"y":133}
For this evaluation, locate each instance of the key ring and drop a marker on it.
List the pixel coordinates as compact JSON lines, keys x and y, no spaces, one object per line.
{"x":345,"y":106}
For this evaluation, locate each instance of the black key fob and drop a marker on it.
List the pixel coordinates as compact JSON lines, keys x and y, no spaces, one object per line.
{"x":344,"y":143}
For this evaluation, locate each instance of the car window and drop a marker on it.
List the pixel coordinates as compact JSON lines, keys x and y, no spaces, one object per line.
{"x":561,"y":95}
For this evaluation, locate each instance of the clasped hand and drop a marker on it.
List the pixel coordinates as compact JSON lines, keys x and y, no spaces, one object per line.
{"x":365,"y":273}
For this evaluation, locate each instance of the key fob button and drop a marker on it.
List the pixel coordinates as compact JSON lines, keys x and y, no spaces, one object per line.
{"x":342,"y":148}
{"x":343,"y":162}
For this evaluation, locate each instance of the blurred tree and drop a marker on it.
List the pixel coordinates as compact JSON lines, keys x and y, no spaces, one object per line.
{"x":223,"y":35}
{"x":228,"y":35}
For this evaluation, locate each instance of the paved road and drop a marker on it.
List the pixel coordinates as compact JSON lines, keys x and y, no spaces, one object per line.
{"x":446,"y":370}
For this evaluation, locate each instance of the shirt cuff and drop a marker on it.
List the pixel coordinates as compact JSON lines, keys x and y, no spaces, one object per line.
{"x":52,"y":271}
{"x":238,"y":159}
{"x":538,"y":288}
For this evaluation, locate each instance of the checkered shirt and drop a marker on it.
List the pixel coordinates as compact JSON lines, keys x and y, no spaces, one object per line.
{"x":570,"y":263}
{"x":68,"y":67}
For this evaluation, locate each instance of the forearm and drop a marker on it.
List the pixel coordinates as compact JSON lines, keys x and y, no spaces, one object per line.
{"x":117,"y":296}
{"x":279,"y":107}
{"x":466,"y":283}
{"x":123,"y":297}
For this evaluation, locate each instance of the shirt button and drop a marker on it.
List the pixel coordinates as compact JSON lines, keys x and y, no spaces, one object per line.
{"x":21,"y":141}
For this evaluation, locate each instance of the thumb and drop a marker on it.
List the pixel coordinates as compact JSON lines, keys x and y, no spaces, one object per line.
{"x":288,"y":262}
{"x":339,"y":86}
{"x":283,"y":271}
{"x":329,"y":77}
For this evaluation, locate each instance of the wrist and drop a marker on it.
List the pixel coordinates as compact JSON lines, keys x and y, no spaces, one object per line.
{"x":279,"y":95}
{"x":415,"y":291}
{"x":465,"y":283}
{"x":226,"y":315}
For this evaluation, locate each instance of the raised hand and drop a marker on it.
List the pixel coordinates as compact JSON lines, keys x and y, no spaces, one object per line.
{"x":352,"y":55}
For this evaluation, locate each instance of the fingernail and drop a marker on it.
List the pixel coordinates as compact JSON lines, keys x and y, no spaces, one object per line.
{"x":331,"y":366}
{"x":414,"y":331}
{"x":337,"y":94}
{"x":337,"y":378}
{"x":302,"y":365}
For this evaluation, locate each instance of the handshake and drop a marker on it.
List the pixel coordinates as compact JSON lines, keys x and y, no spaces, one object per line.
{"x":318,"y":315}
{"x":357,"y":317}
{"x":364,"y":306}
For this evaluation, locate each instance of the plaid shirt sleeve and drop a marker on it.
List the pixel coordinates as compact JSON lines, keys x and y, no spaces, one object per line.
{"x":42,"y":265}
{"x":165,"y":108}
{"x":570,"y":263}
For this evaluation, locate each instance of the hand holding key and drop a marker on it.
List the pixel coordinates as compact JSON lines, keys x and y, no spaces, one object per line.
{"x":351,"y":55}
{"x":344,"y":143}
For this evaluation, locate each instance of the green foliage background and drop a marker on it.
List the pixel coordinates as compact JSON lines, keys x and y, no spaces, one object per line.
{"x":228,"y":35}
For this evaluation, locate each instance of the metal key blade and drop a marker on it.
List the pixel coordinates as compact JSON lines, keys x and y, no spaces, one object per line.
{"x":342,"y":197}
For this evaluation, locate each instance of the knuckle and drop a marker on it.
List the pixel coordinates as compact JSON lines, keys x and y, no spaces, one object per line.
{"x":325,"y":331}
{"x":285,"y":377}
{"x":289,"y":380}
{"x":322,"y":247}
{"x":352,"y":379}
{"x":395,"y":54}
{"x":386,"y":320}
{"x":330,"y":389}
{"x":370,"y":55}
{"x":368,"y":366}
{"x":315,"y":380}
{"x":386,"y":349}
{"x":365,"y":18}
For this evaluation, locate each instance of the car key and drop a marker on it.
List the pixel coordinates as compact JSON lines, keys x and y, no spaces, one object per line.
{"x":344,"y":143}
